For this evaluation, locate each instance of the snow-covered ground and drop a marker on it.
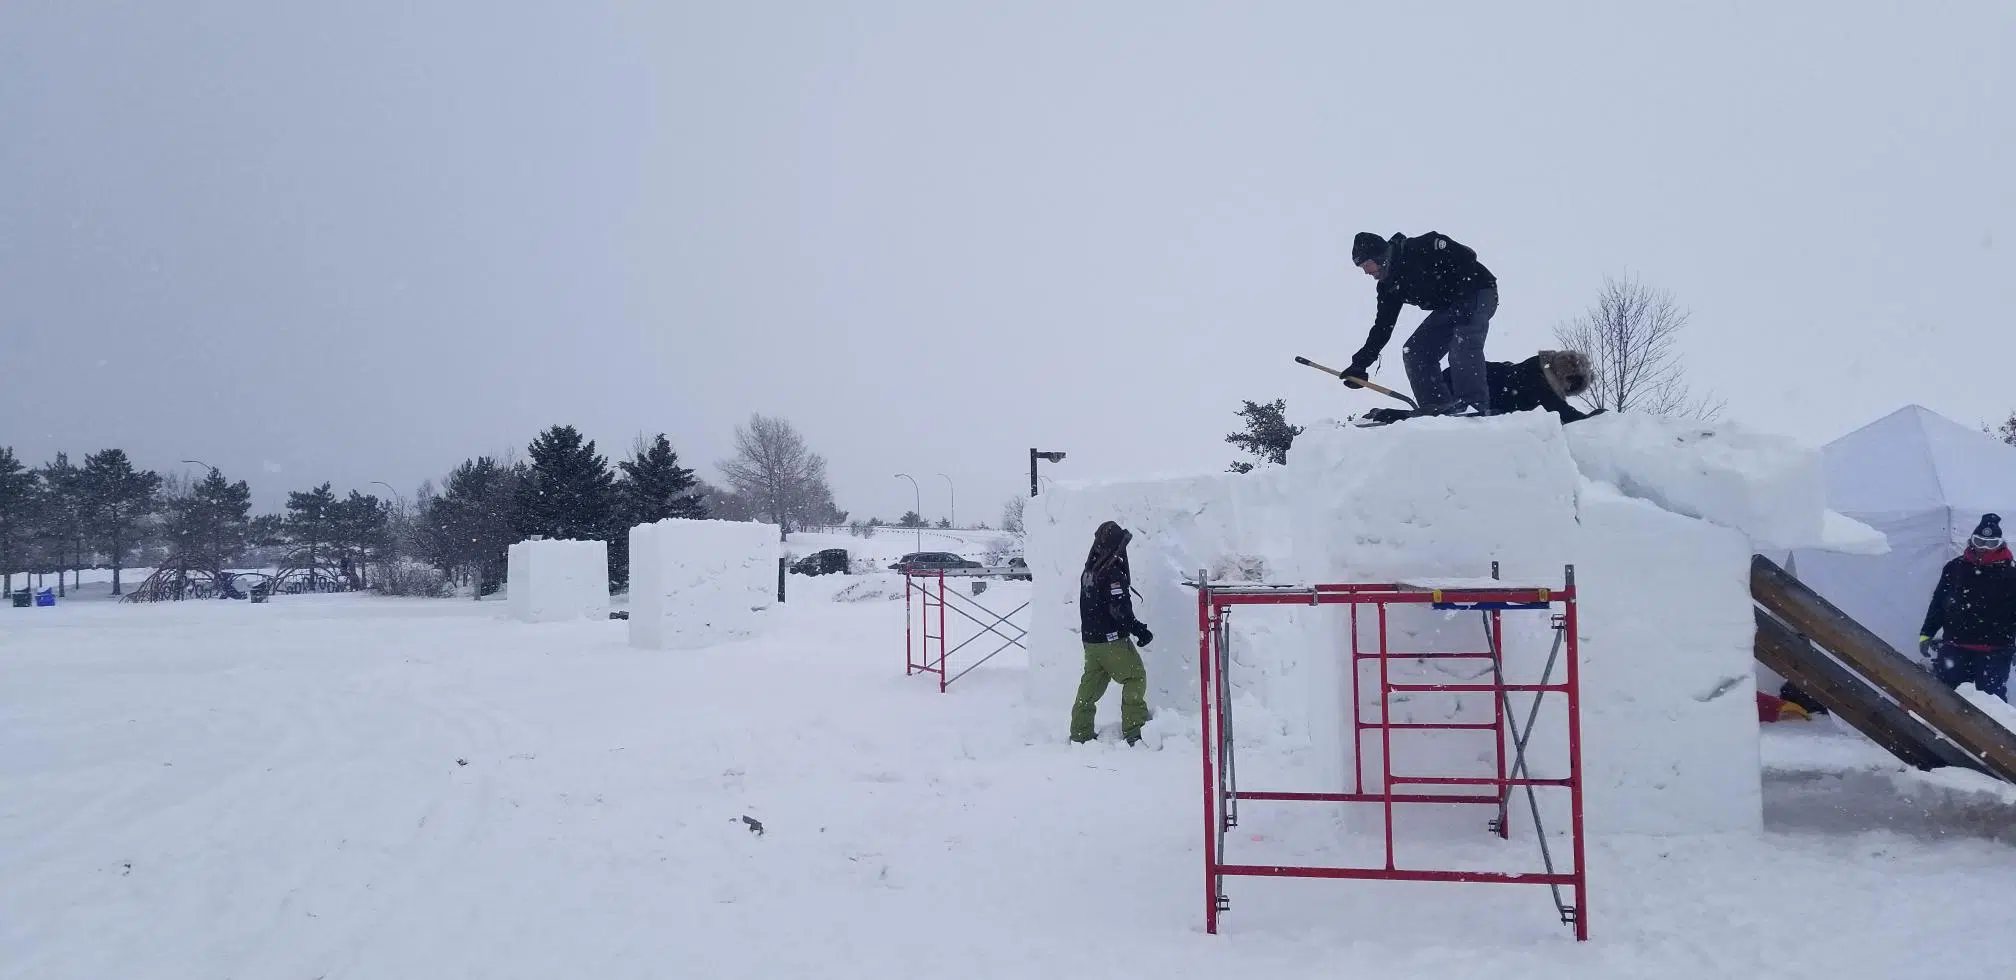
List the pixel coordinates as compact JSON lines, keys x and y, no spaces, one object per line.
{"x":350,"y":786}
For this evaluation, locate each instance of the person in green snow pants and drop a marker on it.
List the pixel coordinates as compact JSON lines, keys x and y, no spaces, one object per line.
{"x":1106,"y":622}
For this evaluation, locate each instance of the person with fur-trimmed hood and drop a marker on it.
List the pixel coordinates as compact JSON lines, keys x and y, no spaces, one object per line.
{"x":1109,"y":630}
{"x":1545,"y":380}
{"x":1440,"y":275}
{"x":1975,"y":606}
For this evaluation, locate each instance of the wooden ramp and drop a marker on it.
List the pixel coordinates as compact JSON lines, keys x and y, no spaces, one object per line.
{"x":1866,"y":682}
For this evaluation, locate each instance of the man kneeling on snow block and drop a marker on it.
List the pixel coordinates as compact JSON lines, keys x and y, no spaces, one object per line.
{"x":1106,"y":622}
{"x":1975,"y":604}
{"x":1545,"y":380}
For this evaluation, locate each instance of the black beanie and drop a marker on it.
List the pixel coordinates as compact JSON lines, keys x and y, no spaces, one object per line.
{"x":1990,"y":528}
{"x":1366,"y":245}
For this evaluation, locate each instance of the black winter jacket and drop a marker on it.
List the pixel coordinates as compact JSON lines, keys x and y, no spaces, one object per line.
{"x":1431,"y":271}
{"x":1105,"y":612}
{"x":1521,"y":387}
{"x":1975,"y":603}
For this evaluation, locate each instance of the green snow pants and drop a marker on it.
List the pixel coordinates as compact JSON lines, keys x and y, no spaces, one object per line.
{"x":1104,"y":663}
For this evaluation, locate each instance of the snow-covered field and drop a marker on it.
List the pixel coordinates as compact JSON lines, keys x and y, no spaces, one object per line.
{"x":350,"y":786}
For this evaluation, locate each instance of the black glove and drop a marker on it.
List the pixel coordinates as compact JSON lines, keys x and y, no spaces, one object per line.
{"x":1141,"y":635}
{"x":1353,"y":374}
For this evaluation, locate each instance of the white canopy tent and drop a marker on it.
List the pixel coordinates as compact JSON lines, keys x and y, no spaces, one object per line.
{"x":1924,"y":481}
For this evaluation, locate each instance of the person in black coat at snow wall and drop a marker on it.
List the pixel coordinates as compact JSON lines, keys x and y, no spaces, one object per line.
{"x":1107,"y":625}
{"x":1440,"y":275}
{"x":1975,"y":605}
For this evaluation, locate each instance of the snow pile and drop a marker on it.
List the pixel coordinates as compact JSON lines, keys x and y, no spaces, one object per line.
{"x":698,"y":583}
{"x":1768,"y":487}
{"x":1669,"y":733}
{"x":551,"y":581}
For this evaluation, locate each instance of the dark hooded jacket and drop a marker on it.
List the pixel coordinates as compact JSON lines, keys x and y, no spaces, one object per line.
{"x":1522,"y":387}
{"x":1431,"y":271}
{"x":1105,"y":611}
{"x":1975,"y":602}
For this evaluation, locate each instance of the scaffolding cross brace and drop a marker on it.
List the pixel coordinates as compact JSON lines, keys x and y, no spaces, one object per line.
{"x":924,"y":593}
{"x":1222,"y":794}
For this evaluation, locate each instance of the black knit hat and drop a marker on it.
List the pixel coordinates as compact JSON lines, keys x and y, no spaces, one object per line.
{"x":1988,"y":533}
{"x":1366,"y":245}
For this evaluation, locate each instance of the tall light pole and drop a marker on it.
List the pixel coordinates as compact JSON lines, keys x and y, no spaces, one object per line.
{"x":952,"y":511}
{"x":1033,"y":457}
{"x":919,"y":511}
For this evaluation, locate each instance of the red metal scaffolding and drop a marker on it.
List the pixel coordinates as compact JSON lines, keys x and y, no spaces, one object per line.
{"x":925,"y":601}
{"x":1222,"y":794}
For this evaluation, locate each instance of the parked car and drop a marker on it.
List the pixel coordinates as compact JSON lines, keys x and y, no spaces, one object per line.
{"x":931,"y":561}
{"x":1018,"y":569}
{"x":828,"y":562}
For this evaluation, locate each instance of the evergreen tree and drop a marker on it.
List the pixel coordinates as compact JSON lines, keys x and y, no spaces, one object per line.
{"x":63,"y":518}
{"x":210,"y":526}
{"x":569,"y":492}
{"x":120,"y":502}
{"x":1268,"y":434}
{"x":910,"y":519}
{"x":655,"y":487}
{"x":20,"y":489}
{"x":472,"y":524}
{"x":362,"y":532}
{"x":310,"y":528}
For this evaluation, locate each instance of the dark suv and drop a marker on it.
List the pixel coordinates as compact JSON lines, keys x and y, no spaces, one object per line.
{"x":932,"y":561}
{"x":828,"y":562}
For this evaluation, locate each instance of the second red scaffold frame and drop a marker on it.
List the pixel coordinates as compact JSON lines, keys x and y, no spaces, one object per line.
{"x":1222,"y":794}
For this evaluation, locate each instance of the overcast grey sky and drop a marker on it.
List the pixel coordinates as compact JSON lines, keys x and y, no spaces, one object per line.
{"x":363,"y":241}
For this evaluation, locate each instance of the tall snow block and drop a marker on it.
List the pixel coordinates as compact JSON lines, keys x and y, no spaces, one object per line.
{"x":558,"y":581}
{"x":698,"y":583}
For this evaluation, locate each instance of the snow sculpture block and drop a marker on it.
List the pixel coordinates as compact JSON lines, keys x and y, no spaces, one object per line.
{"x":558,"y":581}
{"x":698,"y":583}
{"x":1670,"y":740}
{"x":1669,"y":706}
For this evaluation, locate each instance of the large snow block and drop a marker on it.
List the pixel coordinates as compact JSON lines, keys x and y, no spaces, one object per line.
{"x":552,"y":581}
{"x":1669,"y":707}
{"x":1769,"y":487}
{"x":698,"y":583}
{"x":1428,"y":499}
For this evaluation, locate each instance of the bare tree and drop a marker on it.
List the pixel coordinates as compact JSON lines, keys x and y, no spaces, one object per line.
{"x":2007,"y":431}
{"x":1011,"y":514}
{"x":1630,"y":336}
{"x":780,"y":478}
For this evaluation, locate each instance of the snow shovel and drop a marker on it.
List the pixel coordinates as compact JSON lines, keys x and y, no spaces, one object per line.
{"x":1360,"y":383}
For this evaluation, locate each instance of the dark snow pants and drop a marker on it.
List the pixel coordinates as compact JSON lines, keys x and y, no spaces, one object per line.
{"x":1105,"y":663}
{"x":1458,"y":332}
{"x":1987,"y":670}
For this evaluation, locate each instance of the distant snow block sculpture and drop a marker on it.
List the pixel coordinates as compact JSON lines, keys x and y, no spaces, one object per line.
{"x":698,"y":583}
{"x":558,"y":581}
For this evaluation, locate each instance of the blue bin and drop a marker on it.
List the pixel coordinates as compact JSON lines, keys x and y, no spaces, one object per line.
{"x":46,"y":597}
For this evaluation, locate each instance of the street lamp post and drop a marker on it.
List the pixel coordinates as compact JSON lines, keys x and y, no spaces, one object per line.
{"x":952,"y":510}
{"x":1034,"y":455}
{"x":199,"y":462}
{"x":919,"y":511}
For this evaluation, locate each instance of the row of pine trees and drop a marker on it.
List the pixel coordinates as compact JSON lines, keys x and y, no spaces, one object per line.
{"x":60,"y":517}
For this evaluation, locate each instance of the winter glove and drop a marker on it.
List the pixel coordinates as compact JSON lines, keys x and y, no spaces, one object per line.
{"x":1927,"y":652}
{"x":1141,"y":635}
{"x":1353,"y":374}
